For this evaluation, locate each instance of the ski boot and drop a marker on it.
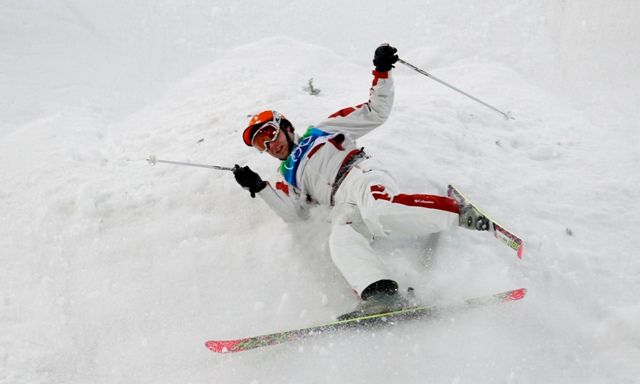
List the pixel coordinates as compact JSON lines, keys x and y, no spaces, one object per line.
{"x":380,"y":300}
{"x":472,"y":218}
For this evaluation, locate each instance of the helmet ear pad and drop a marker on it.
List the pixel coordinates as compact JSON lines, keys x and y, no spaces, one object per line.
{"x":288,"y":129}
{"x":286,"y":124}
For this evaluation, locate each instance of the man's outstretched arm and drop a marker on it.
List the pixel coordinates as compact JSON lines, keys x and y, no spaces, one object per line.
{"x":363,"y":118}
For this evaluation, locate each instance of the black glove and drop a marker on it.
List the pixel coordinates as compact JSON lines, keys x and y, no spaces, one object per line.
{"x":249,"y":179}
{"x":385,"y":57}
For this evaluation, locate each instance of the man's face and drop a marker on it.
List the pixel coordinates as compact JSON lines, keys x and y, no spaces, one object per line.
{"x":279,"y":147}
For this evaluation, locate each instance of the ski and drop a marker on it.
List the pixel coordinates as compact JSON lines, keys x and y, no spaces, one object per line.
{"x":499,"y":231}
{"x":389,"y":318}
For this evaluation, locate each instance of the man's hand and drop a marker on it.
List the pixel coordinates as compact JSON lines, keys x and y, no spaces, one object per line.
{"x":248,"y":179}
{"x":384,"y":58}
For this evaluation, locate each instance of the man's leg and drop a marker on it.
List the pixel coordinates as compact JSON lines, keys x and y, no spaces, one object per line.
{"x":407,"y":214}
{"x":385,"y":211}
{"x":352,"y":254}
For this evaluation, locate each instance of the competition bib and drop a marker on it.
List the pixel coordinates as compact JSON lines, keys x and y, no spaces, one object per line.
{"x":289,"y":167}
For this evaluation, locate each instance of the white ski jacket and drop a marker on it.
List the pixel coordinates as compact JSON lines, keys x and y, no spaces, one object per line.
{"x":325,"y":151}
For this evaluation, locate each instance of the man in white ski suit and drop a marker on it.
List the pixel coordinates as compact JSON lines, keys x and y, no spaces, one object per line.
{"x":326,"y":166}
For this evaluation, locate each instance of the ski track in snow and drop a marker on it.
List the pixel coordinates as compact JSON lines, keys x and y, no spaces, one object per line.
{"x":117,"y":271}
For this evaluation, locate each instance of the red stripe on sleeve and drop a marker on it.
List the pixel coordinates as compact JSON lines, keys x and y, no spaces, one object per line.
{"x":346,"y":111}
{"x":379,"y":75}
{"x":281,"y":185}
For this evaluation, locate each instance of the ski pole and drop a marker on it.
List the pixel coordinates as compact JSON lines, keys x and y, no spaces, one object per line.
{"x":153,"y":160}
{"x":506,"y":115}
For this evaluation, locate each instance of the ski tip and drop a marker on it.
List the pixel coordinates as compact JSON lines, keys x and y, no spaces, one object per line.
{"x":516,"y":294}
{"x":224,"y":346}
{"x":520,"y":251}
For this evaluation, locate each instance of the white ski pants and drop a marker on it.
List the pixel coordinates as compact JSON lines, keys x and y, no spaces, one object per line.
{"x":368,"y":205}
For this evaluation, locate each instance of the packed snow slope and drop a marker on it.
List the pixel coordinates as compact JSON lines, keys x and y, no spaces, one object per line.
{"x":115,"y":271}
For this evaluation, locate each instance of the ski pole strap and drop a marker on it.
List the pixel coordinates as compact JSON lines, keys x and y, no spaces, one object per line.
{"x":352,"y":158}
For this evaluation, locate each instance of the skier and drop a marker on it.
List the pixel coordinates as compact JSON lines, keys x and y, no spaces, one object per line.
{"x":325,"y":166}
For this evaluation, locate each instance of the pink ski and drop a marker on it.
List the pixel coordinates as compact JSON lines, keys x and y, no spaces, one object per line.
{"x":370,"y":321}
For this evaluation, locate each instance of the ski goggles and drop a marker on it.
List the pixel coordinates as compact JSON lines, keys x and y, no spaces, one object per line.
{"x":267,"y":133}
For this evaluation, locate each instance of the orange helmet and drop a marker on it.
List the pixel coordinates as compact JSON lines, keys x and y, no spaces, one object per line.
{"x":259,"y":120}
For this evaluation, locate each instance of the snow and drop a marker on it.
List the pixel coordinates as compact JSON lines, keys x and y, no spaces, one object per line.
{"x":117,"y":271}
